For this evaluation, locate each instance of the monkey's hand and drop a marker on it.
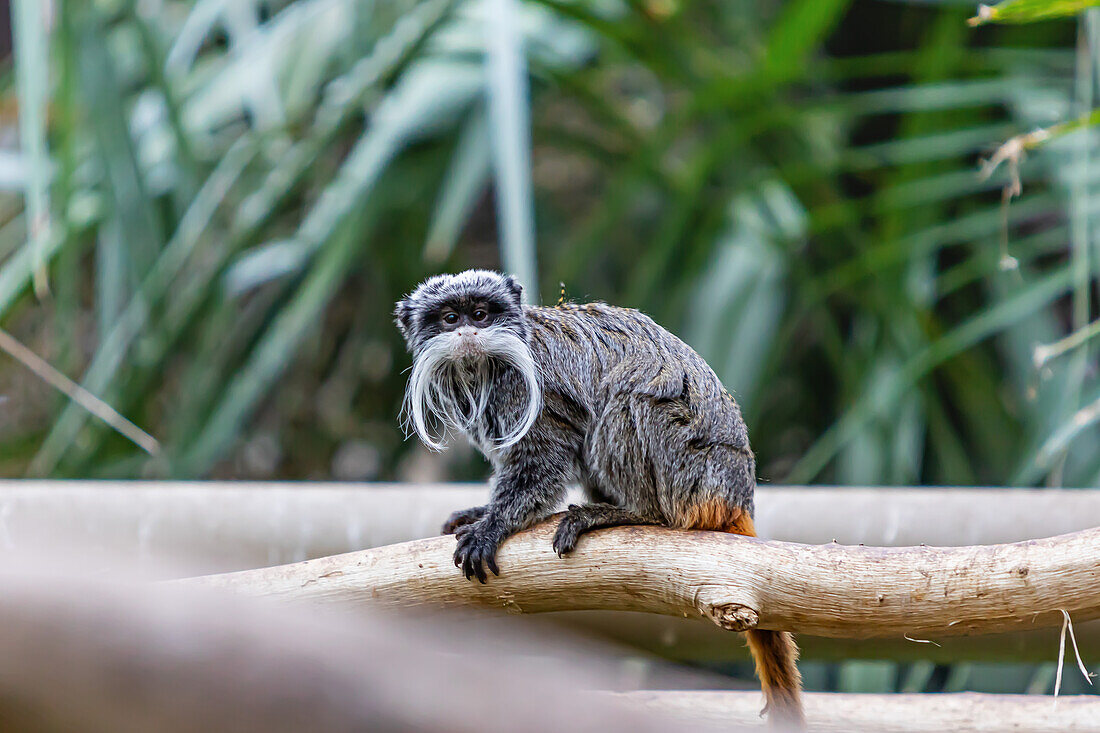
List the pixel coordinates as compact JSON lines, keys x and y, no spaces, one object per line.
{"x":477,"y":547}
{"x":463,"y":517}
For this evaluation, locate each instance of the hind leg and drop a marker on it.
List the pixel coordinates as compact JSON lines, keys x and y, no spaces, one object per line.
{"x":581,"y":519}
{"x":463,"y":517}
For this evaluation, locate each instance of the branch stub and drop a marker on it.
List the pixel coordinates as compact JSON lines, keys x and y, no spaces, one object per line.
{"x":734,"y":616}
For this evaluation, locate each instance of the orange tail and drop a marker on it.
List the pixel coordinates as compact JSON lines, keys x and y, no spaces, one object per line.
{"x":774,"y":652}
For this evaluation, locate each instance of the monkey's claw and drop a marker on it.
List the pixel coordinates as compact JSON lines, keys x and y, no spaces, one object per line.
{"x":461,"y":518}
{"x":569,"y":531}
{"x":477,"y":548}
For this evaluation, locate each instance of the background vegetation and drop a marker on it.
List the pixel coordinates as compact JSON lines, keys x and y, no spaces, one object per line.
{"x":229,"y":196}
{"x":210,"y":206}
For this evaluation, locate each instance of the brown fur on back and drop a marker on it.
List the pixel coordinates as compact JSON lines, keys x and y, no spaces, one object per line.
{"x":774,"y":652}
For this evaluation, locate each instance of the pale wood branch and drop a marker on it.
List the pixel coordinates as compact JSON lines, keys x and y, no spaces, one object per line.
{"x":213,"y":527}
{"x":85,"y":652}
{"x":959,"y":713}
{"x":100,"y":654}
{"x":737,"y":582}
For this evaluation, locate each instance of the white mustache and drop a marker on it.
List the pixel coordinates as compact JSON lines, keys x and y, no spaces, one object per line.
{"x":442,"y":382}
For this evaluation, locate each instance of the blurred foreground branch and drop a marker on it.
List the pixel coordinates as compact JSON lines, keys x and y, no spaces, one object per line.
{"x":102,"y":654}
{"x":178,"y":529}
{"x":961,"y":713}
{"x":737,"y":582}
{"x":110,"y":656}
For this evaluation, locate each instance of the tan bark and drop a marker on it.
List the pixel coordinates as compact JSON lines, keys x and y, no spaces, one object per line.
{"x":737,"y":582}
{"x":93,"y":654}
{"x":212,"y":527}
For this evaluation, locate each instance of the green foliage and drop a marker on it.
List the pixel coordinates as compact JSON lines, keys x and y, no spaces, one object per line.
{"x":239,"y":191}
{"x":228,"y":197}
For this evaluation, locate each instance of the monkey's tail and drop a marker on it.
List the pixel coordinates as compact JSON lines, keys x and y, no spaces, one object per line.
{"x":774,"y":652}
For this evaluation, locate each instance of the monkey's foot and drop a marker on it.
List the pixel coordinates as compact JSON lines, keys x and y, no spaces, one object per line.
{"x":477,"y":547}
{"x":463,"y":517}
{"x":581,"y":519}
{"x":570,"y":529}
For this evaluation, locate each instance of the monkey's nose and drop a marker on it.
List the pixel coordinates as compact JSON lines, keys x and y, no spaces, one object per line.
{"x":466,"y":330}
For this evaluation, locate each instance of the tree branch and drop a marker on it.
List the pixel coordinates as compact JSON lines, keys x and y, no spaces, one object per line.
{"x":737,"y":582}
{"x":105,"y":653}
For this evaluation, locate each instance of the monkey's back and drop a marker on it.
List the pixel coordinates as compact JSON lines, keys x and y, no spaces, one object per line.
{"x":654,"y":429}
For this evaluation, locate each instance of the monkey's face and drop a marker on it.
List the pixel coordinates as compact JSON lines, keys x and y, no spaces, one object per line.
{"x":464,"y":309}
{"x":464,"y":332}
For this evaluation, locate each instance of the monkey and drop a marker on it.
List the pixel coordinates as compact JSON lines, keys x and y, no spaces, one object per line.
{"x":582,"y":393}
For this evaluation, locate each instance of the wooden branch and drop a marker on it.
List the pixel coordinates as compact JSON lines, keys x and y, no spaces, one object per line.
{"x":737,"y":582}
{"x":960,"y":713}
{"x":105,"y":655}
{"x":214,"y":527}
{"x":81,"y":651}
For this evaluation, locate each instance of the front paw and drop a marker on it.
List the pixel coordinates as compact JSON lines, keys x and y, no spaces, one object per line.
{"x":463,"y":517}
{"x":569,"y":531}
{"x":477,"y":547}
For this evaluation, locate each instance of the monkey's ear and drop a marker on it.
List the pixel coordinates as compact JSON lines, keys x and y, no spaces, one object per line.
{"x":402,"y":316}
{"x":514,"y":288}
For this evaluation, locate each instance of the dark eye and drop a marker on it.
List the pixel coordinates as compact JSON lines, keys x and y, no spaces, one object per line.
{"x":450,"y":318}
{"x":480,"y":314}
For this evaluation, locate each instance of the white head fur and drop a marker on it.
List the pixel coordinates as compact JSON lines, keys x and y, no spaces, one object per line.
{"x":454,"y":371}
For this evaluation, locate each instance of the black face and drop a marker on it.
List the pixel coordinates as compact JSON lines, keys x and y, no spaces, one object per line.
{"x":444,"y":303}
{"x":479,"y":310}
{"x":476,"y":314}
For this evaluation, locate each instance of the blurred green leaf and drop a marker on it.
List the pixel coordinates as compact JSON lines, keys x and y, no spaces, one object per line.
{"x":465,"y":180}
{"x":270,"y":356}
{"x":116,"y":343}
{"x":509,"y":124}
{"x":1025,"y":301}
{"x":867,"y":677}
{"x":740,"y":298}
{"x":798,"y":32}
{"x":1029,"y":11}
{"x":31,"y":54}
{"x":139,"y":227}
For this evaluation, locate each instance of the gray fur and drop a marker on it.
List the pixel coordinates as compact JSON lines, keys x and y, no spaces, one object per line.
{"x":628,"y":410}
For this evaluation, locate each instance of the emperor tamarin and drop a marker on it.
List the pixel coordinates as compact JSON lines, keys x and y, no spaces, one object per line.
{"x":589,"y":394}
